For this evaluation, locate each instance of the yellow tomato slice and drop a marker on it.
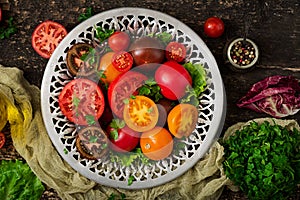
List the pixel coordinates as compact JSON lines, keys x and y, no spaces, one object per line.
{"x":140,"y":113}
{"x":182,"y":120}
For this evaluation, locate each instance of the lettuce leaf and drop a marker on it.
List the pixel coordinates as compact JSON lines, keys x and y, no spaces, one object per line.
{"x":17,"y":181}
{"x":278,"y":96}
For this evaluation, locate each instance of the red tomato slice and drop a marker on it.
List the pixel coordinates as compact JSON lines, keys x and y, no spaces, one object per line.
{"x":46,"y":37}
{"x":122,"y":88}
{"x":175,"y":51}
{"x":122,"y":61}
{"x":2,"y":140}
{"x":82,"y":101}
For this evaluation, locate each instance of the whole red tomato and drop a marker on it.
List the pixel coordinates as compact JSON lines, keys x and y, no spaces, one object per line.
{"x":123,"y":139}
{"x":119,"y":41}
{"x":173,"y":80}
{"x":214,"y":27}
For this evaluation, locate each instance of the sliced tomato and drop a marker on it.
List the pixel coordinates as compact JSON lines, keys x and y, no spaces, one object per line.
{"x":92,"y":142}
{"x":182,"y":120}
{"x":2,"y":140}
{"x":75,"y":61}
{"x":122,"y":88}
{"x":46,"y":37}
{"x":175,"y":51}
{"x":122,"y":61}
{"x":82,"y":101}
{"x":140,"y":113}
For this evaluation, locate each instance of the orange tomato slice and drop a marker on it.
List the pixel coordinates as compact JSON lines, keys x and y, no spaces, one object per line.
{"x":140,"y":113}
{"x":182,"y":120}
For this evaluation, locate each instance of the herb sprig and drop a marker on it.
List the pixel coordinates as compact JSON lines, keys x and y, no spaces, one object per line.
{"x":8,"y":30}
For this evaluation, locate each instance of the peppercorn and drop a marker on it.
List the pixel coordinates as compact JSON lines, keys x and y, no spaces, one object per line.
{"x":242,"y":53}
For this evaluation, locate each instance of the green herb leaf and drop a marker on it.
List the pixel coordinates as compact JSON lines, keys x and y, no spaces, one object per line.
{"x":8,"y":30}
{"x":90,"y":119}
{"x":114,"y":134}
{"x":93,"y":139}
{"x":151,"y":89}
{"x":87,"y":14}
{"x":103,"y":34}
{"x":164,"y":37}
{"x":130,"y":180}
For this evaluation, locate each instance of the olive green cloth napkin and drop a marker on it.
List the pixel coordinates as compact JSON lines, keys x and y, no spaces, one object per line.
{"x":22,"y":105}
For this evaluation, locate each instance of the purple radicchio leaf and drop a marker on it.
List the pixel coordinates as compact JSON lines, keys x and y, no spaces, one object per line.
{"x":278,"y":96}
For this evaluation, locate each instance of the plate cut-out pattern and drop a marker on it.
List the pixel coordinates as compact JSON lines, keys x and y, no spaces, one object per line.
{"x":138,"y":22}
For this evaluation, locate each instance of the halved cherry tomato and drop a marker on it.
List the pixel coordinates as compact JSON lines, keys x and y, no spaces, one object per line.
{"x":109,"y":71}
{"x":119,"y":41}
{"x":140,"y":113}
{"x":122,"y":88}
{"x":92,"y":142}
{"x":175,"y":51}
{"x":123,"y":139}
{"x":76,"y":65}
{"x":122,"y":61}
{"x":82,"y":101}
{"x":214,"y":27}
{"x":2,"y":140}
{"x":156,"y":144}
{"x":46,"y":37}
{"x":182,"y":120}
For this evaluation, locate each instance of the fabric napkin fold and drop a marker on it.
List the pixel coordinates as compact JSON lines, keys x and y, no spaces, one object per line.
{"x":20,"y":103}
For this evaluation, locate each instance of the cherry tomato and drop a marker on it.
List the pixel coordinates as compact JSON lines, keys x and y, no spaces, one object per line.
{"x":122,"y":88}
{"x":76,"y":65}
{"x":146,"y":50}
{"x":156,"y":144}
{"x":2,"y":140}
{"x":119,"y":41}
{"x":173,"y":80}
{"x":82,"y":101}
{"x":175,"y":51}
{"x":123,"y":139}
{"x":46,"y":37}
{"x":92,"y":142}
{"x":109,"y":71}
{"x":182,"y":120}
{"x":140,"y":113}
{"x":214,"y":27}
{"x":122,"y":61}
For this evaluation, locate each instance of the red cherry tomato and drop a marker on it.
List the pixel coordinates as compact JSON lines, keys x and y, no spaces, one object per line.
{"x":214,"y":27}
{"x":46,"y":37}
{"x":122,"y":61}
{"x":119,"y":41}
{"x":123,"y":139}
{"x":122,"y":88}
{"x":2,"y":140}
{"x":173,"y":80}
{"x":175,"y":51}
{"x":82,"y":101}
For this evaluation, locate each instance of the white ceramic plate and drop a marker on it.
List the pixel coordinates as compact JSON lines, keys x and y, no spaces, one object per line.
{"x":211,"y":110}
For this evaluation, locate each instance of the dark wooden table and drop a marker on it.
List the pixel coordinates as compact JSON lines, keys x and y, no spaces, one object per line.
{"x":273,"y":25}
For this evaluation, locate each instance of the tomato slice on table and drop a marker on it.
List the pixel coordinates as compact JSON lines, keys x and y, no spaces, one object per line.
{"x":122,"y":88}
{"x":156,"y":144}
{"x":2,"y":140}
{"x":122,"y":61}
{"x":140,"y":113}
{"x":46,"y":37}
{"x":82,"y":101}
{"x":182,"y":120}
{"x":175,"y":51}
